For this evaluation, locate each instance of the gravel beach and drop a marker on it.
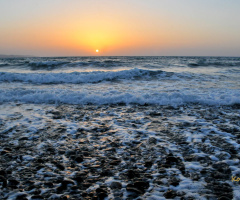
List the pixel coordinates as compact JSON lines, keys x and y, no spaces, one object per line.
{"x":119,"y":152}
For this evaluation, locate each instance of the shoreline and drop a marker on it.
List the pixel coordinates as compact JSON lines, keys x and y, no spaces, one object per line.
{"x":119,"y":151}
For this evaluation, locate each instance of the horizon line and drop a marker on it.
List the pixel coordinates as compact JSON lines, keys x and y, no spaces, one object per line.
{"x":33,"y":56}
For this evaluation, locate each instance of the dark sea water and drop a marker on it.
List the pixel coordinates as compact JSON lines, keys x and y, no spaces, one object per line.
{"x":112,"y":80}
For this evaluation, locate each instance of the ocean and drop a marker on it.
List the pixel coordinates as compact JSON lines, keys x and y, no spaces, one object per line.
{"x":120,"y":128}
{"x":128,"y":80}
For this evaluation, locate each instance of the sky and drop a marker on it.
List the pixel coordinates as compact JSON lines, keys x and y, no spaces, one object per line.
{"x":120,"y":28}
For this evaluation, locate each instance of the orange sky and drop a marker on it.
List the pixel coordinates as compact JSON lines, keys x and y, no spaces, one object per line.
{"x":153,"y":27}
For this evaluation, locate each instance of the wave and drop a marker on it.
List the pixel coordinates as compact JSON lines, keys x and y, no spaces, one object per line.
{"x":46,"y":64}
{"x":3,"y":64}
{"x":215,"y":62}
{"x":107,"y":63}
{"x":61,"y":96}
{"x":53,"y":63}
{"x":80,"y":77}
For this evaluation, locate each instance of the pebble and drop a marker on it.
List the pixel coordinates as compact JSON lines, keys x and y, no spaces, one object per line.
{"x":60,"y":166}
{"x":95,"y":161}
{"x":36,"y":197}
{"x":170,"y":194}
{"x":152,"y":140}
{"x":116,"y":185}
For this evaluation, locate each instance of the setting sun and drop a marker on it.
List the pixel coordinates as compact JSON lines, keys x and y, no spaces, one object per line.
{"x":97,"y":50}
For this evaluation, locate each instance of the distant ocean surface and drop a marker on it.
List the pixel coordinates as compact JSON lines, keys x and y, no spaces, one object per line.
{"x":121,"y":80}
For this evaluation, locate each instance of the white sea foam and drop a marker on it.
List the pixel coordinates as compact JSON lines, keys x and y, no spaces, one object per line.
{"x":58,"y":96}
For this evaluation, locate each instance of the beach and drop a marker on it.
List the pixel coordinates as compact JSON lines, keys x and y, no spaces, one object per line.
{"x":119,"y":152}
{"x":120,"y":128}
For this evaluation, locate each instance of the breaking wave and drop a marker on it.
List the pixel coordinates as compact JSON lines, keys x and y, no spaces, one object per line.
{"x":62,"y":96}
{"x":79,"y":77}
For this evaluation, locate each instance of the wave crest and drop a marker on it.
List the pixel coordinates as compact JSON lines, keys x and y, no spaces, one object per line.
{"x":61,"y":96}
{"x":79,"y":77}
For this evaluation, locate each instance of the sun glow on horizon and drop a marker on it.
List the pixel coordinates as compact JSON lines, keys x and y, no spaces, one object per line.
{"x":112,"y":28}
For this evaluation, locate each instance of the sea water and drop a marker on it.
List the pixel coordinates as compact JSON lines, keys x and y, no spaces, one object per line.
{"x":126,"y":80}
{"x":133,"y":109}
